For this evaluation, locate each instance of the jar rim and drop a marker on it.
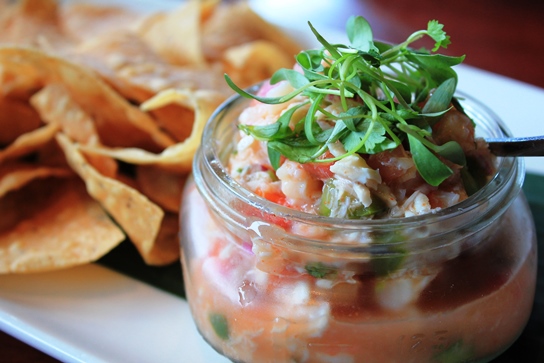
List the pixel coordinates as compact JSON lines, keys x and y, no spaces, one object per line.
{"x":508,"y":169}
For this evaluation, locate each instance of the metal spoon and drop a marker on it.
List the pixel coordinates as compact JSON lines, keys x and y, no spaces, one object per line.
{"x":517,"y":146}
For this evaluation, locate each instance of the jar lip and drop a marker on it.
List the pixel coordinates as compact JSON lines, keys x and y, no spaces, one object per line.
{"x":507,"y":168}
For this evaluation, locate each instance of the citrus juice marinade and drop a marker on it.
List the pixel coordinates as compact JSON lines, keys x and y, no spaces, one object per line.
{"x":473,"y":307}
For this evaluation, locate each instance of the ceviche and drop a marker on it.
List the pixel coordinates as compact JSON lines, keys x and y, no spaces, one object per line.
{"x":346,"y":211}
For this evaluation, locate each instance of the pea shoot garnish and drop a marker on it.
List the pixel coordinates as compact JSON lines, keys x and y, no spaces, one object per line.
{"x":389,"y":94}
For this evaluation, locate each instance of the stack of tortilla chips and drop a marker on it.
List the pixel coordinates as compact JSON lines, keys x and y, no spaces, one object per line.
{"x":101,"y":111}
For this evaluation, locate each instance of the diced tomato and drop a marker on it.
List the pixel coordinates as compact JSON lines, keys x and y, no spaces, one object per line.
{"x":321,"y":171}
{"x":274,"y":196}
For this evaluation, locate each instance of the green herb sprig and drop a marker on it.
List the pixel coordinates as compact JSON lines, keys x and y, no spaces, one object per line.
{"x":381,"y":88}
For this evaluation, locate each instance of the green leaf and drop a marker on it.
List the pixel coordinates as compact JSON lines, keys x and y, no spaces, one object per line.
{"x":331,"y":49}
{"x":261,"y":132}
{"x":311,"y":63}
{"x":309,"y":121}
{"x":441,"y":97}
{"x":369,"y":134}
{"x":432,"y":170}
{"x":437,"y":65}
{"x":294,"y":151}
{"x":452,"y":151}
{"x":278,"y":130}
{"x":267,"y":100}
{"x":360,"y":34}
{"x":295,"y":79}
{"x":435,"y":30}
{"x":274,"y":156}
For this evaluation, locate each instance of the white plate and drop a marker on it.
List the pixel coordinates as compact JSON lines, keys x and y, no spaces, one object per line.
{"x":92,"y":314}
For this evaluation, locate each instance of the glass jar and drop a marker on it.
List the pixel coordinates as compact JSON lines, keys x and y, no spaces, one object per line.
{"x":266,"y":283}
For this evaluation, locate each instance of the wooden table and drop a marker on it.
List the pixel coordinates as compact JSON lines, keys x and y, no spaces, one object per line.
{"x":501,"y":36}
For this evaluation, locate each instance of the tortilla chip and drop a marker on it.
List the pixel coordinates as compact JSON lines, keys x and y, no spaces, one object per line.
{"x":55,"y":106}
{"x":175,"y":35}
{"x":178,"y":157}
{"x":166,"y":248}
{"x":33,"y":23}
{"x":130,"y":66}
{"x":120,"y":99}
{"x":253,"y":62}
{"x":16,"y":118}
{"x":62,"y":227}
{"x":117,"y":121}
{"x":14,"y":176}
{"x":235,"y":24}
{"x":161,"y":186}
{"x":87,"y":20}
{"x":135,"y":213}
{"x":29,"y":142}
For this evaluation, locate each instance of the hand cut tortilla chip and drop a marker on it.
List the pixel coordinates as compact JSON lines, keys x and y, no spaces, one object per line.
{"x":88,"y":20}
{"x":175,"y":35}
{"x":16,"y":118}
{"x":33,"y":23}
{"x":235,"y":24}
{"x":252,"y":62}
{"x":118,"y":122}
{"x":164,"y":187}
{"x":177,"y":157}
{"x":14,"y":176}
{"x":136,"y":214}
{"x":56,"y":106}
{"x":29,"y":142}
{"x":166,"y":248}
{"x":64,"y":227}
{"x":133,"y":68}
{"x":101,"y":112}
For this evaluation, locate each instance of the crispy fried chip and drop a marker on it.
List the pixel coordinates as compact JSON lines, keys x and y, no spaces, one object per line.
{"x":62,"y":227}
{"x":133,"y":68}
{"x":177,"y":157}
{"x":118,"y":122}
{"x":29,"y":142}
{"x":176,"y":35}
{"x":14,"y":176}
{"x":252,"y":62}
{"x":164,"y":187}
{"x":16,"y":118}
{"x":33,"y":23}
{"x":166,"y":248}
{"x":87,"y":20}
{"x":102,"y":109}
{"x":55,"y":106}
{"x":236,"y":24}
{"x":136,"y":214}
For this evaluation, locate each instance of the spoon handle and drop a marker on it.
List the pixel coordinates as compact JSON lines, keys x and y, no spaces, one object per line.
{"x":520,"y":146}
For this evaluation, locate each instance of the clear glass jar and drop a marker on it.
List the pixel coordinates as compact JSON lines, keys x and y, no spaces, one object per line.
{"x":269,"y":284}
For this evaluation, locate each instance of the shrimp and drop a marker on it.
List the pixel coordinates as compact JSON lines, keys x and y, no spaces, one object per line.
{"x":298,"y":185}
